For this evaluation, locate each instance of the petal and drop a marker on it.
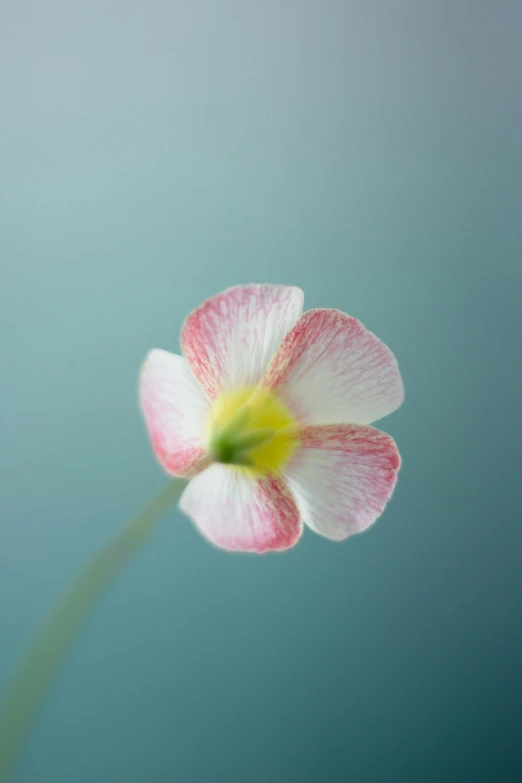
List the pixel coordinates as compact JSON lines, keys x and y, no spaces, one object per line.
{"x":176,"y":411}
{"x":230,"y":340}
{"x":330,"y":369}
{"x":342,"y":477}
{"x":239,"y":512}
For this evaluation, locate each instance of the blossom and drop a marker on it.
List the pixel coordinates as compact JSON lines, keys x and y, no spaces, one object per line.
{"x":267,"y":414}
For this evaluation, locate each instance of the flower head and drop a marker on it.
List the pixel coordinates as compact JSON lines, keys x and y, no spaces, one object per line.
{"x":267,"y":414}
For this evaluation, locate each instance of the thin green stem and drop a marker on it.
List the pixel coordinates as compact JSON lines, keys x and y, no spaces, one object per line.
{"x":30,"y":685}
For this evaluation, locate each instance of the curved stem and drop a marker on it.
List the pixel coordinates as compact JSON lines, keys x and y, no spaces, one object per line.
{"x":30,"y":685}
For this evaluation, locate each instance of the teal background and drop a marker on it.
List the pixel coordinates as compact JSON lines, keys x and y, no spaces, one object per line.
{"x":369,"y":152}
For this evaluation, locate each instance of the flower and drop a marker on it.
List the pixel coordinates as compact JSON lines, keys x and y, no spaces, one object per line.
{"x":267,"y":414}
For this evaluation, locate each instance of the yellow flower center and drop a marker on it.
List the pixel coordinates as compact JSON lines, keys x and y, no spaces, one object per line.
{"x":252,"y":428}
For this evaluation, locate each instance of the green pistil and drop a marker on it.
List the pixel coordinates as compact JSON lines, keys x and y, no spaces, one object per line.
{"x":236,"y":423}
{"x":254,"y":438}
{"x":232,"y":445}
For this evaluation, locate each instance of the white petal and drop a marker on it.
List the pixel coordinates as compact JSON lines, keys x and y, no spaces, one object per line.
{"x":230,"y":340}
{"x":176,"y":411}
{"x":239,"y":512}
{"x":330,"y":369}
{"x":342,"y":477}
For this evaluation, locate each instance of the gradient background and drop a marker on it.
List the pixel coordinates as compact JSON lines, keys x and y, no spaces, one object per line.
{"x":154,"y":153}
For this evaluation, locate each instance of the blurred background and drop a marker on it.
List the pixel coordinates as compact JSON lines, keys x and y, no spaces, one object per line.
{"x":370,"y":152}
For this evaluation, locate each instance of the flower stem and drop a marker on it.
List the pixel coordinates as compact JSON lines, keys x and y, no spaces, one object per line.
{"x":30,"y":685}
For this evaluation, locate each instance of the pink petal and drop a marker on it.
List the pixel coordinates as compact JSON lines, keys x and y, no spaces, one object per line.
{"x":330,"y":369}
{"x":232,"y":337}
{"x":239,"y":512}
{"x":342,"y":477}
{"x":176,"y":412}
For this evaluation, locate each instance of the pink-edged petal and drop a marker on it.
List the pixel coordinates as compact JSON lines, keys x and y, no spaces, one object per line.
{"x":230,"y":340}
{"x":240,"y":512}
{"x":342,"y":477}
{"x":176,"y":412}
{"x":330,"y":369}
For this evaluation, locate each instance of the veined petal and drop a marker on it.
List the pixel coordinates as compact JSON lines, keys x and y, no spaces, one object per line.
{"x":239,"y":512}
{"x":230,"y":340}
{"x":342,"y":477}
{"x":330,"y":369}
{"x":176,"y":411}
